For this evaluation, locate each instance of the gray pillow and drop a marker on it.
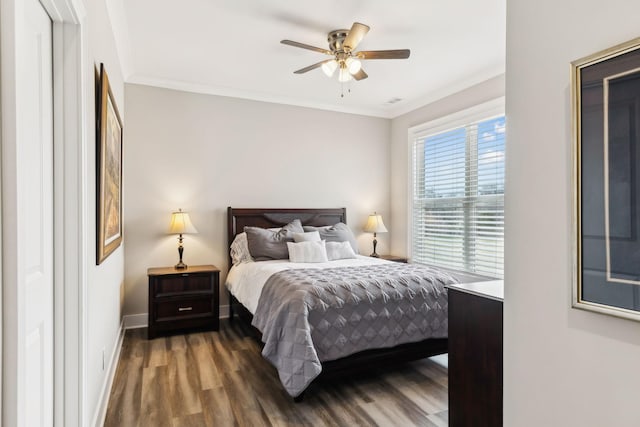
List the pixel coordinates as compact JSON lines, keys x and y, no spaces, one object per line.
{"x":339,"y":232}
{"x":269,"y":244}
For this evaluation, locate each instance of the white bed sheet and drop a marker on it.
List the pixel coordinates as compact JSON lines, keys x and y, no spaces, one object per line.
{"x":246,"y":280}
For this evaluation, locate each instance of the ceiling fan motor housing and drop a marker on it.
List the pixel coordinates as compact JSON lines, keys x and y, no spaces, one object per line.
{"x":336,"y":40}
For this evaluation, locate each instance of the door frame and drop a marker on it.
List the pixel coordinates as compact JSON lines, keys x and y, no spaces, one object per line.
{"x":71,"y":88}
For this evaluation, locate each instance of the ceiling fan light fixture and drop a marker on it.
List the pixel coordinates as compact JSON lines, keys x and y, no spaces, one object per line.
{"x":330,"y":67}
{"x":344,"y":75}
{"x":354,"y":65}
{"x":343,"y":54}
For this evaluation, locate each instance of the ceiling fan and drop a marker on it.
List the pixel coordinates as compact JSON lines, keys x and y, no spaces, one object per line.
{"x":342,"y":49}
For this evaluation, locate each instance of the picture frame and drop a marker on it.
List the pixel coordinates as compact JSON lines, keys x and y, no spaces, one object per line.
{"x":108,"y":171}
{"x":606,"y":181}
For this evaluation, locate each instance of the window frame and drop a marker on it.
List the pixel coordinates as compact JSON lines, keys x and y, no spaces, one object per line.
{"x":462,"y":118}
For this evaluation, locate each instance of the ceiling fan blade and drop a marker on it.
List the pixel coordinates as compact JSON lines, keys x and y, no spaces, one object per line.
{"x":311,"y":67}
{"x":384,"y":54}
{"x":355,"y":36}
{"x":306,"y":46}
{"x":360,"y":75}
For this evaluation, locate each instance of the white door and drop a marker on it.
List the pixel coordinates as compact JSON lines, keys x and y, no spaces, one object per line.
{"x":34,"y":173}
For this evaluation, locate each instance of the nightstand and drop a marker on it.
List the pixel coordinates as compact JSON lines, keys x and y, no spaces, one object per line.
{"x":183,"y":300}
{"x":394,"y":258}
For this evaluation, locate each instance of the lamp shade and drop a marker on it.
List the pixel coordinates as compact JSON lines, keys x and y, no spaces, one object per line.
{"x":375,"y":224}
{"x":181,"y":224}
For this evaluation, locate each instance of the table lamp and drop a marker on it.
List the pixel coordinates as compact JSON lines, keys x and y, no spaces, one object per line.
{"x":375,"y":225}
{"x":181,"y":224}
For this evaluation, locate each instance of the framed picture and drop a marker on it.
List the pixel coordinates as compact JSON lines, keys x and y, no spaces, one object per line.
{"x":606,"y":128}
{"x":109,"y":171}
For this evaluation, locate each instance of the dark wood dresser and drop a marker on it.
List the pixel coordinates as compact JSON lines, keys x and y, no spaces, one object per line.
{"x":183,"y":300}
{"x":475,"y":354}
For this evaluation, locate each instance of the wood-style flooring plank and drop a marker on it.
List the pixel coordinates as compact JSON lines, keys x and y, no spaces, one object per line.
{"x":216,"y":408}
{"x":204,"y":364}
{"x":390,"y":405}
{"x":224,"y":359}
{"x":413,"y":385}
{"x":441,"y":419}
{"x":156,"y":402}
{"x":126,"y":393}
{"x":273,"y":400}
{"x":193,"y":420}
{"x":244,"y":402}
{"x":433,"y":370}
{"x":155,"y":352}
{"x":184,"y":383}
{"x":221,"y":379}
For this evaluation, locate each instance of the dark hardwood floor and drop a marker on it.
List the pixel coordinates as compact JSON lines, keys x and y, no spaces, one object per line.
{"x":220,"y":379}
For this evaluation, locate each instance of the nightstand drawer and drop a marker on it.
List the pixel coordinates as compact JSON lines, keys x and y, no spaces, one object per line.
{"x":183,"y":308}
{"x":183,"y":300}
{"x":183,"y":284}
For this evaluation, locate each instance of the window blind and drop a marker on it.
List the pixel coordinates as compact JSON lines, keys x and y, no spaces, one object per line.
{"x":458,"y":197}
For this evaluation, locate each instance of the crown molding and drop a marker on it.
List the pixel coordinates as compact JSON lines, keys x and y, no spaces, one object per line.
{"x":254,"y":96}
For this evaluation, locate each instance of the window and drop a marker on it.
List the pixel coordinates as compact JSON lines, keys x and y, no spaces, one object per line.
{"x":458,"y":191}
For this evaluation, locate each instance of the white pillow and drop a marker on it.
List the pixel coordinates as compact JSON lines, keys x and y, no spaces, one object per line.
{"x":307,"y":252}
{"x":240,"y":249}
{"x":312,"y":236}
{"x":339,"y":250}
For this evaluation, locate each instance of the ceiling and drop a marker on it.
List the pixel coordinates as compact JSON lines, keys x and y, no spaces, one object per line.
{"x":232,"y":48}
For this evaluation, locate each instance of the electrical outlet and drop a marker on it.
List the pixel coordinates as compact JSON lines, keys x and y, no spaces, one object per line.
{"x":103,"y":359}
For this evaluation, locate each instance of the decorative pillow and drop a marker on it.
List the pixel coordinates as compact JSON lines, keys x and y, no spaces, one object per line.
{"x":339,"y":250}
{"x":240,"y":249}
{"x":266,"y":244}
{"x":339,"y":232}
{"x":312,"y":236}
{"x":309,"y":251}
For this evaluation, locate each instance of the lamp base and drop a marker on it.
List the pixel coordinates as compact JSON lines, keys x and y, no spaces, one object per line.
{"x":180,"y":265}
{"x":375,"y":243}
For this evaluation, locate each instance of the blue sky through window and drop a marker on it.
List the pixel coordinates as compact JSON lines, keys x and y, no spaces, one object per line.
{"x":444,"y":164}
{"x":491,"y":156}
{"x":445,"y":157}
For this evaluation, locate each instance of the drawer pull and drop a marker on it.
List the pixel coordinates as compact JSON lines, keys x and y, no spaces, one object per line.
{"x":185,"y":274}
{"x":185,"y":308}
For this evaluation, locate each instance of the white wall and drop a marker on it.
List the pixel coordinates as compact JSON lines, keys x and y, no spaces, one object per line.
{"x":101,"y":303}
{"x":104,"y":282}
{"x":203,"y":153}
{"x":562,"y":366}
{"x":485,"y":91}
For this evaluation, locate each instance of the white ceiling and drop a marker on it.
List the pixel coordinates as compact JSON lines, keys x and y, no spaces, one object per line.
{"x":232,"y":48}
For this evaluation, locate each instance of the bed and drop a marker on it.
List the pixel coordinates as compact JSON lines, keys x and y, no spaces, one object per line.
{"x":327,"y":365}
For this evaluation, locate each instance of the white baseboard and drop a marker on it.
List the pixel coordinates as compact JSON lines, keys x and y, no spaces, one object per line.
{"x":105,"y":392}
{"x":133,"y":321}
{"x":224,"y":311}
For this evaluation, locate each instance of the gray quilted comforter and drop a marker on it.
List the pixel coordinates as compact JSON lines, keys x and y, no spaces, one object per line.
{"x":313,"y":315}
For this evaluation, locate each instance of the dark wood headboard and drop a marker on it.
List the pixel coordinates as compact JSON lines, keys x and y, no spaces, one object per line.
{"x":238,"y":218}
